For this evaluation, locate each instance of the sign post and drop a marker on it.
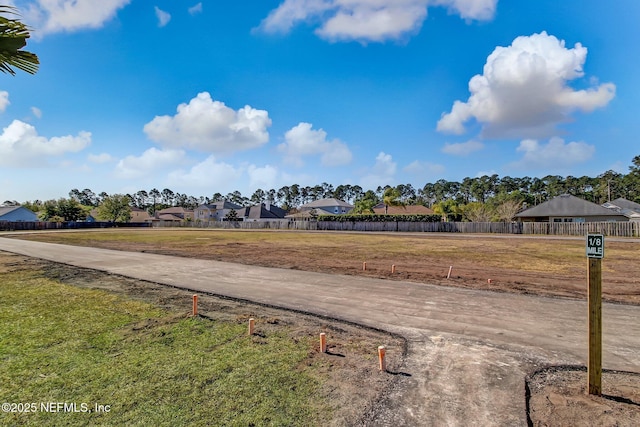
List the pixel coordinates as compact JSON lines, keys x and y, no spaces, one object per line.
{"x":595,"y":253}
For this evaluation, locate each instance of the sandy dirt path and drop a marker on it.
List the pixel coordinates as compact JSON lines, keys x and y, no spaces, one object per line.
{"x":469,"y":350}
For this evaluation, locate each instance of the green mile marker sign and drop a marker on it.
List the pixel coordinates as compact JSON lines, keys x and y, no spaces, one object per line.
{"x":595,"y":246}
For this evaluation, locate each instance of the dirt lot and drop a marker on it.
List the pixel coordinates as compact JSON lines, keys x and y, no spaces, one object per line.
{"x":556,"y":395}
{"x":520,"y":264}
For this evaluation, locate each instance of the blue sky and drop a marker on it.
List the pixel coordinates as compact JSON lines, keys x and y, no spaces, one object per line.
{"x":218,"y":96}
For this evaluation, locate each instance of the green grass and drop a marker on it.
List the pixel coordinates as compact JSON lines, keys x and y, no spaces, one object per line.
{"x":59,"y":343}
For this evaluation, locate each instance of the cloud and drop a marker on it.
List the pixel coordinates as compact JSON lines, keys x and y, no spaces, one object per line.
{"x":36,"y":112}
{"x":382,"y":172}
{"x":301,"y":141}
{"x":4,"y":101}
{"x":424,"y":169}
{"x":524,"y":91}
{"x":262,"y":177}
{"x":195,"y":9}
{"x":163,"y":17}
{"x":21,"y":146}
{"x":481,"y":10}
{"x":207,"y":174}
{"x":152,"y":160}
{"x":210,"y":126}
{"x":100,"y":158}
{"x":367,"y":20}
{"x":54,"y":16}
{"x":462,"y":148}
{"x":556,"y":154}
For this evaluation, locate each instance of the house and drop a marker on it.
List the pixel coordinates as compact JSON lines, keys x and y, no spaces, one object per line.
{"x":140,"y":215}
{"x":167,"y":219}
{"x":216,"y":211}
{"x":180,"y":212}
{"x":327,"y":207}
{"x":402,"y":210}
{"x":17,"y":213}
{"x":626,"y":207}
{"x":568,"y":208}
{"x":262,"y":212}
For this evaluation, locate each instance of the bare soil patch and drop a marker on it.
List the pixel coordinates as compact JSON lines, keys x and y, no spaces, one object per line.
{"x":558,"y":396}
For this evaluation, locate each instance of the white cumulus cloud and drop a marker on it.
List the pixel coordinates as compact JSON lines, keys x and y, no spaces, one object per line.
{"x":470,"y":9}
{"x":262,"y":177}
{"x":381,"y":173}
{"x":555,"y":154}
{"x":462,"y":148}
{"x":163,"y":17}
{"x":208,"y":174}
{"x":21,"y":146}
{"x":100,"y":158}
{"x":524,"y":90}
{"x":149,"y":163}
{"x":210,"y":126}
{"x":54,"y":16}
{"x":368,"y":20}
{"x":302,"y":140}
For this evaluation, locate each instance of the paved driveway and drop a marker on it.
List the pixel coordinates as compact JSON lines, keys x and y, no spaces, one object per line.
{"x":469,"y":350}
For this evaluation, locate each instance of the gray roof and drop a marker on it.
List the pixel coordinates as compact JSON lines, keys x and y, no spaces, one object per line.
{"x":323,"y":203}
{"x":567,"y":205}
{"x":625,"y":204}
{"x":6,"y":209}
{"x":261,"y":212}
{"x":222,"y":204}
{"x":24,"y":214}
{"x":624,"y":207}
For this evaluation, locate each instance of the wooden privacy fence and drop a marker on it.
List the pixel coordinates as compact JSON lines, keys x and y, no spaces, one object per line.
{"x":617,"y":229}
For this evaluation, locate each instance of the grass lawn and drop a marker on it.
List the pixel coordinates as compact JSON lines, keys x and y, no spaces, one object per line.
{"x":59,"y":343}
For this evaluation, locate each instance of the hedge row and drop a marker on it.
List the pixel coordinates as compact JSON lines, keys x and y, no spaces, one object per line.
{"x":380,"y":218}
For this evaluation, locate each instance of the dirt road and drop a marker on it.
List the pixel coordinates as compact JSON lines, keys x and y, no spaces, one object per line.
{"x":469,"y":350}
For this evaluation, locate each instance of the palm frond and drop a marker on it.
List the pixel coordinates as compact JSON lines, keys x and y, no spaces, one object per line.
{"x":13,"y":37}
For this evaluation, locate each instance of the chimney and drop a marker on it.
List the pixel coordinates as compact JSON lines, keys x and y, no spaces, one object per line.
{"x":267,"y":205}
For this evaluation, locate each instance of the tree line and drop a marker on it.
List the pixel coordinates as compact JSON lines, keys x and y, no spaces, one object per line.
{"x":484,"y":198}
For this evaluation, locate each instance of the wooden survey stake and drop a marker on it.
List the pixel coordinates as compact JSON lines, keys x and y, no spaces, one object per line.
{"x":595,"y":253}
